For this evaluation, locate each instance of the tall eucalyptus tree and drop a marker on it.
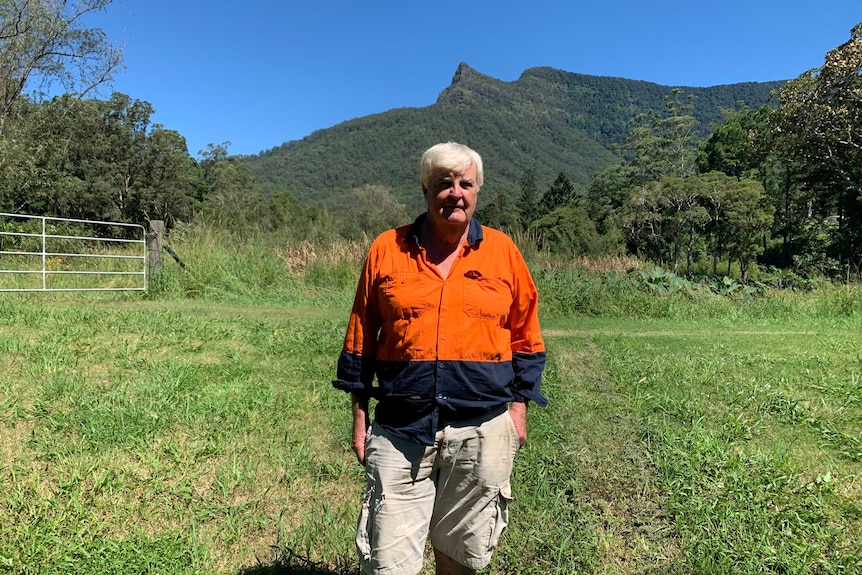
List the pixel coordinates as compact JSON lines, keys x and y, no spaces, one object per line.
{"x":819,"y":127}
{"x":45,"y":44}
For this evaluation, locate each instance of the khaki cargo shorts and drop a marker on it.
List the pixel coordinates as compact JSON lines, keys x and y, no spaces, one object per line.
{"x":457,"y":491}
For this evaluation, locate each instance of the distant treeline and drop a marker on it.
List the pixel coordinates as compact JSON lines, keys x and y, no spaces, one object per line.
{"x":739,"y":180}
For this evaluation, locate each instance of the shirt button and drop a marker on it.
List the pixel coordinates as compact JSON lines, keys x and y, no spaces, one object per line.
{"x":441,"y":365}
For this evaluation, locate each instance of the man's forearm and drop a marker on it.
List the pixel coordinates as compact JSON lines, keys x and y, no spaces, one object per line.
{"x":359,"y":408}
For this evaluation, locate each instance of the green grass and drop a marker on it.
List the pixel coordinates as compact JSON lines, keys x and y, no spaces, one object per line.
{"x":193,"y":437}
{"x":753,"y":435}
{"x":196,"y":430}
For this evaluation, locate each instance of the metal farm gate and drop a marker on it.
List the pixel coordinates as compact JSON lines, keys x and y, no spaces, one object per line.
{"x":40,"y":253}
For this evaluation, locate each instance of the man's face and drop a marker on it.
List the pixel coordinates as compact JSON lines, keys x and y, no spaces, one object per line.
{"x":451,"y":196}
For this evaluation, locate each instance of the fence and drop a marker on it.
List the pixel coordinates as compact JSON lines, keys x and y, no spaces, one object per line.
{"x":40,"y":253}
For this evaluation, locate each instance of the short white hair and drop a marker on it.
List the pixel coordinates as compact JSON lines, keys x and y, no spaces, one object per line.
{"x":450,"y":156}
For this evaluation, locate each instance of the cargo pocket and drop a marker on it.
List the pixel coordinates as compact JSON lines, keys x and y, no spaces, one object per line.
{"x":501,"y":519}
{"x":365,"y":526}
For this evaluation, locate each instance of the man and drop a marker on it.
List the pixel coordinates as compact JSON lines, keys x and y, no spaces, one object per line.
{"x":446,"y":317}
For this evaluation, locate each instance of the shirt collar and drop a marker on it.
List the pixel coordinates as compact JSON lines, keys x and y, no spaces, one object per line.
{"x":474,"y":233}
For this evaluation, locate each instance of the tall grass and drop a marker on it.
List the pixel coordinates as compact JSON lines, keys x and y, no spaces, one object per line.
{"x":260,"y":268}
{"x":578,"y":292}
{"x":264,"y":269}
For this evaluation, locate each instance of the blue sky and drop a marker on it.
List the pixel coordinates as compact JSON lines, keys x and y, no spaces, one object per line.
{"x":259,"y":73}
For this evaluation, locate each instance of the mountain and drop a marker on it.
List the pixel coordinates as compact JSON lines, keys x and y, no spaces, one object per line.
{"x":547,"y":120}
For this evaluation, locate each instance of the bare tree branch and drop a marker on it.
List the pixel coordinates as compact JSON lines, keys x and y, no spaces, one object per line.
{"x":44,"y":43}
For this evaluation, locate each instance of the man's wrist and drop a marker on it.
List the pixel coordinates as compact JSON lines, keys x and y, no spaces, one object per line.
{"x":519,"y":406}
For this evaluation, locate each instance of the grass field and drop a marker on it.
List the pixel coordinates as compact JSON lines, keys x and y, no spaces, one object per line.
{"x":145,"y":434}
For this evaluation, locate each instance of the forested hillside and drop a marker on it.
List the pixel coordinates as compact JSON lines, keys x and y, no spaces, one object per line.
{"x":548,"y":121}
{"x":750,"y":180}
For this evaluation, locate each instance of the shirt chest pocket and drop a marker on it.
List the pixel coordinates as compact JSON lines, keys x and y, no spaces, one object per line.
{"x":402,"y":296}
{"x":486,"y":297}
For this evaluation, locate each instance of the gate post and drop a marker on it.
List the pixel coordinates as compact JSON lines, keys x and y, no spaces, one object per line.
{"x":155,"y":237}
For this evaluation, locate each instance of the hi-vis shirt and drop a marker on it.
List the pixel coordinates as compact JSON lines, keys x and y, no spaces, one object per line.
{"x":442,"y":349}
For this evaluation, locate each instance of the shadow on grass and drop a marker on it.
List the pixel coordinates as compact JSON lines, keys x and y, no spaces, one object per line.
{"x":292,"y":564}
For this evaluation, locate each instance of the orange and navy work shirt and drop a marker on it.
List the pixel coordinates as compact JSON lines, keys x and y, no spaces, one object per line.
{"x":442,"y":348}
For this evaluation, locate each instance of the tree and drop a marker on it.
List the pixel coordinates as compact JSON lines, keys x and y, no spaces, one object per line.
{"x":740,"y":216}
{"x":713,"y":189}
{"x":609,"y":194}
{"x":52,"y":162}
{"x":684,"y":216}
{"x":284,"y":215}
{"x":561,"y":194}
{"x":45,"y":41}
{"x":500,"y":213}
{"x":741,"y":145}
{"x":528,"y":200}
{"x":170,"y":186}
{"x":748,"y":217}
{"x":124,"y":146}
{"x":567,"y":231}
{"x":819,"y":127}
{"x":643,"y":224}
{"x":630,"y":194}
{"x":95,"y":159}
{"x":665,"y":146}
{"x":375,"y":209}
{"x":232,"y":201}
{"x":667,"y":220}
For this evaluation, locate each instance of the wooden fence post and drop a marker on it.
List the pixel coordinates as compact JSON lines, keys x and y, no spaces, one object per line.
{"x":156,"y":237}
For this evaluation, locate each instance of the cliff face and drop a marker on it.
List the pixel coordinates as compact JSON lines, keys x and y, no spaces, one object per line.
{"x":471,"y":87}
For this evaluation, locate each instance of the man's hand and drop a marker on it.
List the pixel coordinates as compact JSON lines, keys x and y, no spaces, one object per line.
{"x":518,"y":413}
{"x":360,"y":426}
